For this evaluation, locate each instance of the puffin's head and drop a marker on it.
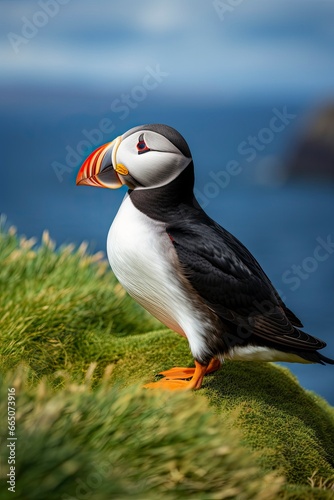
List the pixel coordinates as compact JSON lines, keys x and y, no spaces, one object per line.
{"x":144,"y":157}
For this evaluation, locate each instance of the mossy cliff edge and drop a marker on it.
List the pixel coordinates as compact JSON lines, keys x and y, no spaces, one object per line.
{"x":77,"y":350}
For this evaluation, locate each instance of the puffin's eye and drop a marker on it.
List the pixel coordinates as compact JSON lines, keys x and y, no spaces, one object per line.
{"x":142,"y":146}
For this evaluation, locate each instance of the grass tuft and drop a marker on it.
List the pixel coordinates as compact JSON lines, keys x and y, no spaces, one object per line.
{"x":127,"y":443}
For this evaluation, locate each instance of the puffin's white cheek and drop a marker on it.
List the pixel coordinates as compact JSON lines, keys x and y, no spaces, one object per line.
{"x":154,"y":168}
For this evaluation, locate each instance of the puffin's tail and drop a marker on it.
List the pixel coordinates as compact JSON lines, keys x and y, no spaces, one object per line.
{"x":323,"y":359}
{"x":315,"y":357}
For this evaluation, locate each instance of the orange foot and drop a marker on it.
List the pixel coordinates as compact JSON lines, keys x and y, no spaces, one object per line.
{"x":183,"y":373}
{"x":175,"y":377}
{"x":170,"y":385}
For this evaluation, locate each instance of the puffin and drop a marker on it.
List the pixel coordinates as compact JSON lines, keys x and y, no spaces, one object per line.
{"x":183,"y":267}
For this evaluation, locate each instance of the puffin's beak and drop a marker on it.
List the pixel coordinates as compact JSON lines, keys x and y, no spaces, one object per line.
{"x":98,"y":170}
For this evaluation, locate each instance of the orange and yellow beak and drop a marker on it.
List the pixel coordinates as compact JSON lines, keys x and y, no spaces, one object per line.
{"x":99,"y":168}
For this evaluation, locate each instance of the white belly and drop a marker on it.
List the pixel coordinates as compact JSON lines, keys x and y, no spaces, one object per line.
{"x":141,"y":256}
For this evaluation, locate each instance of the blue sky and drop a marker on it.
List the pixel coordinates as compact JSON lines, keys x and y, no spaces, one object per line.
{"x":259,"y":47}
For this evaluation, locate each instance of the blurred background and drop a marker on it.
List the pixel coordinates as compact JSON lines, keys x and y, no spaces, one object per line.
{"x":250,"y":85}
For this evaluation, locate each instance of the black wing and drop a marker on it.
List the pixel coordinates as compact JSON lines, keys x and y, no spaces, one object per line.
{"x":232,"y":283}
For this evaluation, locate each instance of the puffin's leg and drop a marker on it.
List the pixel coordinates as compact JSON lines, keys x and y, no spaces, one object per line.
{"x":183,"y":373}
{"x":176,"y":384}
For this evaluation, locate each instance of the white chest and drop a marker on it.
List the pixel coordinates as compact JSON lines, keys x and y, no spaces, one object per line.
{"x":138,"y":250}
{"x":142,"y":256}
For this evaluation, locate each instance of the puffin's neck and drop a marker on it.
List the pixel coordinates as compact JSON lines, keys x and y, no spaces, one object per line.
{"x":164,"y":202}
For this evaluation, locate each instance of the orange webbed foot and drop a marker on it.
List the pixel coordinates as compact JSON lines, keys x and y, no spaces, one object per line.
{"x":182,"y":373}
{"x":169,"y":385}
{"x":178,"y":372}
{"x":173,"y":383}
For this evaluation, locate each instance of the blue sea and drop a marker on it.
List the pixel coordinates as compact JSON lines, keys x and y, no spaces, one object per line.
{"x":241,"y":157}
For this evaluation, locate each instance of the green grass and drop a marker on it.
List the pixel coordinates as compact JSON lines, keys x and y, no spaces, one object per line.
{"x":78,"y":349}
